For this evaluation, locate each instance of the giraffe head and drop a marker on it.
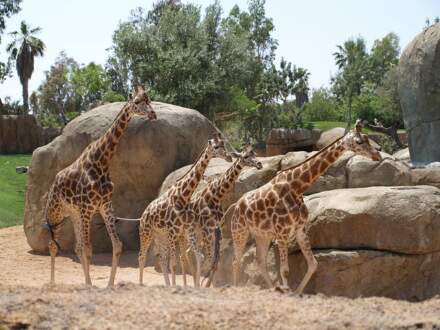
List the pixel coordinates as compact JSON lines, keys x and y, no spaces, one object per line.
{"x":142,"y":104}
{"x":248,"y":157}
{"x":359,"y":143}
{"x":217,"y":145}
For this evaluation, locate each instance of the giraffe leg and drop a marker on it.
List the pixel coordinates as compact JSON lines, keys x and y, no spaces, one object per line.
{"x":283,"y":248}
{"x":183,"y":259}
{"x":110,"y":223}
{"x":262,"y":250}
{"x":86,"y":247}
{"x":199,"y":256}
{"x":53,"y":249}
{"x":312,"y":264}
{"x":145,"y":238}
{"x":79,"y":250}
{"x":163,"y":260}
{"x":209,"y":240}
{"x":173,"y":260}
{"x":239,"y":239}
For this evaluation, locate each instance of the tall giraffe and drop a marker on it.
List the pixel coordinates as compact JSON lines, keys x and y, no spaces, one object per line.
{"x":84,"y":188}
{"x":166,"y":218}
{"x":276,"y":211}
{"x":206,"y":206}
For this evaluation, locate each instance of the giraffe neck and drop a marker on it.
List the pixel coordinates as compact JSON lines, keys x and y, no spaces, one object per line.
{"x":224,"y":184}
{"x":185,"y":187}
{"x":302,"y":177}
{"x":106,"y":145}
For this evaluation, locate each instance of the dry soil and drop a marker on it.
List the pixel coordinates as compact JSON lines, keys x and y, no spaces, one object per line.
{"x":26,"y":301}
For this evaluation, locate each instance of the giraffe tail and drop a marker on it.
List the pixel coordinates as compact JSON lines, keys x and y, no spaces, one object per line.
{"x":50,"y":227}
{"x":216,"y":257}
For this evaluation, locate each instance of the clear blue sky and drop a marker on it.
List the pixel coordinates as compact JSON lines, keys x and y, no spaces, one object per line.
{"x":307,"y":31}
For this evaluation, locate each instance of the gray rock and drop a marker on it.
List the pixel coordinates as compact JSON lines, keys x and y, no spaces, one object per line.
{"x":281,"y":140}
{"x":329,"y":136}
{"x":419,"y":90}
{"x":397,"y":219}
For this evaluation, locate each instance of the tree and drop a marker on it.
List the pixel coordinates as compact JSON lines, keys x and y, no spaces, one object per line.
{"x":351,"y":59}
{"x":7,"y":9}
{"x":301,"y":87}
{"x":383,"y":56}
{"x":23,"y":49}
{"x":90,"y":84}
{"x":56,"y":95}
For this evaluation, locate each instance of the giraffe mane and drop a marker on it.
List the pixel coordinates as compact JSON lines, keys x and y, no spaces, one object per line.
{"x":313,"y":156}
{"x":192,"y":166}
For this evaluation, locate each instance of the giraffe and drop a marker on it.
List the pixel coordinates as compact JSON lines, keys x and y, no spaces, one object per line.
{"x":166,"y":218}
{"x":276,"y":210}
{"x":206,"y":206}
{"x":84,"y":188}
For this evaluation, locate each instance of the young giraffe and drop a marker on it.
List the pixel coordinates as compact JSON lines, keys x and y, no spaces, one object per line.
{"x":85,"y":188}
{"x":206,"y":206}
{"x":276,"y":211}
{"x":165,"y":219}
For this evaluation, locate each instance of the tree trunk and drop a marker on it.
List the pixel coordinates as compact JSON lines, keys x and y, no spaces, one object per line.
{"x":349,"y":113}
{"x":390,"y":131}
{"x":25,"y":84}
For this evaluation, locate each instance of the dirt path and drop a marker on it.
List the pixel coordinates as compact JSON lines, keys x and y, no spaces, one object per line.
{"x":21,"y":266}
{"x":27,"y":302}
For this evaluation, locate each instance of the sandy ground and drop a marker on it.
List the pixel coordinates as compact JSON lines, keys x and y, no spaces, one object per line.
{"x":27,"y":302}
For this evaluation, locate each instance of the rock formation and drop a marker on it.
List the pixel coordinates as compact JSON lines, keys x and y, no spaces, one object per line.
{"x":419,"y":90}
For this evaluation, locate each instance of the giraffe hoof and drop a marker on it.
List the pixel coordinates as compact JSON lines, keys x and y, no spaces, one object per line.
{"x":281,"y":289}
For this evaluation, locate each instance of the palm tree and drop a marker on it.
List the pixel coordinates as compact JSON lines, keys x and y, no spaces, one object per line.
{"x":23,"y":49}
{"x":301,"y":88}
{"x":351,"y":59}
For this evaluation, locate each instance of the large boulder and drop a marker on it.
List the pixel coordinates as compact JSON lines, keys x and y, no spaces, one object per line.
{"x":396,"y":219}
{"x":330,"y":136}
{"x":419,"y":90}
{"x":147,"y":153}
{"x":281,"y":140}
{"x":377,"y":241}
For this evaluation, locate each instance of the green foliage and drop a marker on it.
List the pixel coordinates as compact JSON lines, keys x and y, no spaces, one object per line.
{"x":10,"y":107}
{"x":366,"y":84}
{"x":12,"y":189}
{"x":7,"y":9}
{"x":56,"y":95}
{"x":90,"y":84}
{"x":191,"y":59}
{"x":70,"y":89}
{"x":112,"y":96}
{"x":323,"y":105}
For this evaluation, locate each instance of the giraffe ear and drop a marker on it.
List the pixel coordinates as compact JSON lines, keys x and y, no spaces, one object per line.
{"x":235,"y":154}
{"x":216,"y":137}
{"x":130,"y":96}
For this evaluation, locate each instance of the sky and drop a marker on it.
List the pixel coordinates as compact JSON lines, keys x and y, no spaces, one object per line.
{"x":307,"y":31}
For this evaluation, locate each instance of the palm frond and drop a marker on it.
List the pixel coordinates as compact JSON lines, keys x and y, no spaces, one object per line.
{"x":36,"y":30}
{"x":24,"y":28}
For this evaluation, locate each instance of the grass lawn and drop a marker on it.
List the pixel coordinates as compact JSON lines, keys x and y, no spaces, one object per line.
{"x":326,"y":125}
{"x":12,"y":189}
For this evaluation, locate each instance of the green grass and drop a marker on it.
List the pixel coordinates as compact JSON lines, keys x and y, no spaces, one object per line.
{"x":12,"y":189}
{"x":326,"y":125}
